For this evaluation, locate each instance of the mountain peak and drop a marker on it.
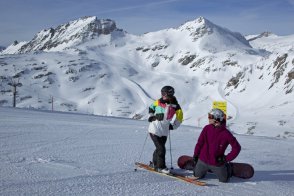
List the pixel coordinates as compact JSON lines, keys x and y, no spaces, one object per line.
{"x":213,"y":36}
{"x":194,"y":24}
{"x":69,"y":34}
{"x":95,"y":25}
{"x":263,"y":34}
{"x":204,"y":21}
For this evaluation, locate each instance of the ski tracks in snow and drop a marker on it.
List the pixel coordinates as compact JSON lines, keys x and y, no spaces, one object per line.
{"x":222,"y":94}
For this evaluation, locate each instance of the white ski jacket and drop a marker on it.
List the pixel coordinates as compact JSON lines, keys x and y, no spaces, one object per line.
{"x":164,"y":112}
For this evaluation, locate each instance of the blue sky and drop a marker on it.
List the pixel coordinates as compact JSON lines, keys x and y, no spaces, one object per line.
{"x":22,"y":19}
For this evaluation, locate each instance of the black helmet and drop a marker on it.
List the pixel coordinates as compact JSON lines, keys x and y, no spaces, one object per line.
{"x":168,"y":91}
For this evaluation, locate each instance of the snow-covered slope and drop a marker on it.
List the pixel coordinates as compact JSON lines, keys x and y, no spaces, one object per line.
{"x":53,"y":153}
{"x":90,"y":66}
{"x":13,"y":48}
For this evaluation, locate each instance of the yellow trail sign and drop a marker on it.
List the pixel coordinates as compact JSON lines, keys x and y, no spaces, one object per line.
{"x":222,"y":105}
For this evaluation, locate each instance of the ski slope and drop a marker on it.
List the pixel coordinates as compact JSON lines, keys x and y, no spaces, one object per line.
{"x":55,"y":153}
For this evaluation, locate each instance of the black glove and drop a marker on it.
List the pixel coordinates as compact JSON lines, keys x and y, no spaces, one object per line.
{"x":151,"y":118}
{"x":195,"y":159}
{"x":171,"y":127}
{"x":221,"y":159}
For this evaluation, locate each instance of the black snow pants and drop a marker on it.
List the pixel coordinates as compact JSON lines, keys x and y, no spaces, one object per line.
{"x":223,"y":172}
{"x":159,"y":152}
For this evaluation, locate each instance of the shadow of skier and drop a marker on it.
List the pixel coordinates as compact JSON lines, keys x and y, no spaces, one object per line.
{"x":282,"y":175}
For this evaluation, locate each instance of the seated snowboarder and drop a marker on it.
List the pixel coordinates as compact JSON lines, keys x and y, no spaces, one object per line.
{"x":211,"y":146}
{"x":161,"y":114}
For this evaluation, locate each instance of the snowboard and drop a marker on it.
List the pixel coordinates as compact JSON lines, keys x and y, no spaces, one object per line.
{"x":240,"y":170}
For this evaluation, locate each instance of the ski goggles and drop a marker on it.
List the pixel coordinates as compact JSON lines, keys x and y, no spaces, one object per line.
{"x":166,"y":94}
{"x":210,"y":116}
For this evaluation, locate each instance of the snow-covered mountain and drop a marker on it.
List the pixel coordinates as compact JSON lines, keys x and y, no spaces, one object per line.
{"x":89,"y":65}
{"x":66,"y":35}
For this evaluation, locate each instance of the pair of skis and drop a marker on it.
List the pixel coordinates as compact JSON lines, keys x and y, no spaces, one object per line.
{"x":173,"y":175}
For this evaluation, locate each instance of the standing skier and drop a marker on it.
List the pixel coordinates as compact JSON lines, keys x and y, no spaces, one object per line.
{"x":161,"y":114}
{"x":211,"y":146}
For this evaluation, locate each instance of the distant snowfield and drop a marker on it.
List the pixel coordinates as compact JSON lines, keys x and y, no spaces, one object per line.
{"x":54,"y":153}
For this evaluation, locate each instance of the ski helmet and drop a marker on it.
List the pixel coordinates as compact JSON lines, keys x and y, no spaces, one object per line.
{"x":167,"y":91}
{"x":217,"y":115}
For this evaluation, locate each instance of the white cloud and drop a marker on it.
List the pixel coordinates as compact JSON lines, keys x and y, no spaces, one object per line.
{"x":137,"y":6}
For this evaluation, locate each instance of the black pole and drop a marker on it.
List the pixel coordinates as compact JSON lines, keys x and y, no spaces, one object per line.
{"x":14,"y":96}
{"x":52,"y":103}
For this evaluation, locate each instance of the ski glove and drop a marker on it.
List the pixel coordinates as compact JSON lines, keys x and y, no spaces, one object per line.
{"x":195,"y":159}
{"x":171,"y":127}
{"x":151,"y":118}
{"x":221,"y":159}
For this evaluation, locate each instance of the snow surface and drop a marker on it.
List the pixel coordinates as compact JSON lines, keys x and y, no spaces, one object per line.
{"x":55,"y":153}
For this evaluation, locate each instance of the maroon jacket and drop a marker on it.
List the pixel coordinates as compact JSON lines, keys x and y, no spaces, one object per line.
{"x":212,"y":143}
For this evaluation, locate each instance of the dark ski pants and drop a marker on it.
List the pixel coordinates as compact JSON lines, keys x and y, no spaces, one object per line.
{"x":223,"y":172}
{"x":159,"y":152}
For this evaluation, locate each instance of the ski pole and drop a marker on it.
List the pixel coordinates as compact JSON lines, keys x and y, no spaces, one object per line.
{"x":171,"y":157}
{"x":142,"y":149}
